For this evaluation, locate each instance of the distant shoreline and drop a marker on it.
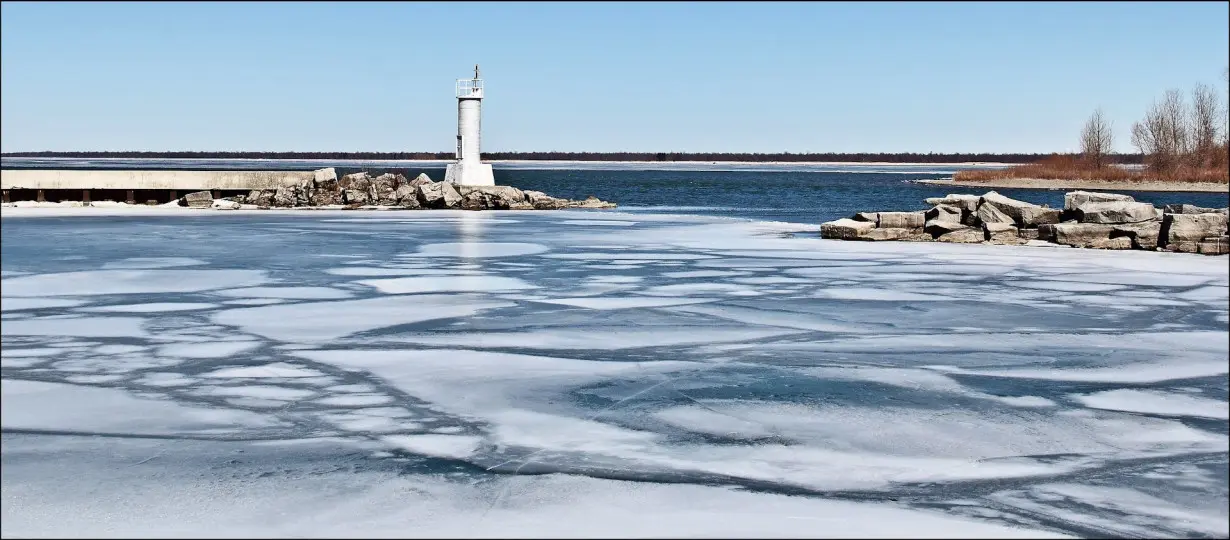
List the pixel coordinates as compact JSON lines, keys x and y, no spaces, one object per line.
{"x":549,"y":161}
{"x":1096,"y":185}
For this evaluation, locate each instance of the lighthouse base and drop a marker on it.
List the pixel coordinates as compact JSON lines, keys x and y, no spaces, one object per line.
{"x":465,"y":173}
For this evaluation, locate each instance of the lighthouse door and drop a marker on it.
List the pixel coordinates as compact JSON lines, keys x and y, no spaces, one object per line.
{"x":459,"y":147}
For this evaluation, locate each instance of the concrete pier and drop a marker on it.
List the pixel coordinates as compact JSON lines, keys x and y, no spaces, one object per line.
{"x":136,"y":186}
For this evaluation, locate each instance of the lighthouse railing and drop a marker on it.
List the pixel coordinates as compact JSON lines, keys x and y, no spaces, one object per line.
{"x":469,"y":88}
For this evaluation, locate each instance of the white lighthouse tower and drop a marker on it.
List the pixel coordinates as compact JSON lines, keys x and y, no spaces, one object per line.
{"x":469,"y":170}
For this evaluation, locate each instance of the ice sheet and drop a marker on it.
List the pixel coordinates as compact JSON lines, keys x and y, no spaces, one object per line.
{"x":466,"y":283}
{"x":99,"y":282}
{"x":291,"y":293}
{"x":1155,"y":402}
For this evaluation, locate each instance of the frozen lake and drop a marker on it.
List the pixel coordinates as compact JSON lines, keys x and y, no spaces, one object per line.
{"x":599,"y":374}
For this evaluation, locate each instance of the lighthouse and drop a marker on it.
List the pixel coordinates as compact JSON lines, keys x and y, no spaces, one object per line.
{"x":469,"y":170}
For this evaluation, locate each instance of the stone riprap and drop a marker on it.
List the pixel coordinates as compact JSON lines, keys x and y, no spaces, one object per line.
{"x":1087,"y":220}
{"x":389,"y":191}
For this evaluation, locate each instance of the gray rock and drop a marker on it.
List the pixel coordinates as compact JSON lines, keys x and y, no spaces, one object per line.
{"x":1027,"y":234}
{"x":438,"y":195}
{"x":406,"y":196}
{"x":1039,"y":215}
{"x":967,"y":235}
{"x":968,"y":203}
{"x":1022,"y":213}
{"x":1074,"y":199}
{"x":357,"y":181}
{"x":1192,"y":227}
{"x":591,"y":202}
{"x":1115,"y":212}
{"x":355,"y":196}
{"x":541,"y":201}
{"x":325,"y":175}
{"x":419,"y":180}
{"x":943,"y":213}
{"x":383,"y":188}
{"x":988,"y":213}
{"x":286,"y":196}
{"x":1214,"y":246}
{"x":873,"y":217}
{"x":893,"y":233}
{"x":199,"y":199}
{"x":937,"y":227}
{"x":1000,"y":233}
{"x":845,"y":229}
{"x":260,"y":197}
{"x":498,"y":197}
{"x":1046,"y":232}
{"x":1191,"y":209}
{"x":901,"y":220}
{"x":1088,"y":235}
{"x":1144,"y":235}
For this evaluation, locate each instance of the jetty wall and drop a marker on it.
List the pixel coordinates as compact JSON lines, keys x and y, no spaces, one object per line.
{"x":136,"y":185}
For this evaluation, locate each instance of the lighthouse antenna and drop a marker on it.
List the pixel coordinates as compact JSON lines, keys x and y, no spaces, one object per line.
{"x":475,"y":71}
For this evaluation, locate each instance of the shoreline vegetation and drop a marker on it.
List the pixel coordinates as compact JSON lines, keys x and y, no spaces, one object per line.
{"x":1180,"y":141}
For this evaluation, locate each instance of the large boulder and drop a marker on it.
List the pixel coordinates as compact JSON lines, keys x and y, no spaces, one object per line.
{"x":406,"y":196}
{"x":989,"y":213}
{"x":383,"y":188}
{"x":260,"y":197}
{"x":419,"y":180}
{"x":873,"y":217}
{"x":967,"y":235}
{"x":943,"y":212}
{"x":357,"y":181}
{"x":541,"y":201}
{"x":438,"y":195}
{"x":1089,"y":235}
{"x":286,"y":196}
{"x":845,"y":229}
{"x":896,"y":233}
{"x":1112,"y":212}
{"x":1024,"y":214}
{"x":968,"y":203}
{"x":324,"y":175}
{"x":1214,"y":246}
{"x":199,"y":199}
{"x":1191,"y":209}
{"x":591,"y":202}
{"x":1192,"y":227}
{"x":942,"y":220}
{"x":356,"y":196}
{"x":1074,"y":199}
{"x":1144,"y":235}
{"x":498,"y":197}
{"x":304,"y":191}
{"x":1000,"y":233}
{"x":901,"y":220}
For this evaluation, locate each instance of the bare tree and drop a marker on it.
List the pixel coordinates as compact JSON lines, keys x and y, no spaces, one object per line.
{"x":1204,"y":122}
{"x":1097,"y":139}
{"x":1163,"y":136}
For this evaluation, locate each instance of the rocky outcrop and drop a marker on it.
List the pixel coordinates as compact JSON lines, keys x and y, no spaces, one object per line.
{"x":1093,"y":220}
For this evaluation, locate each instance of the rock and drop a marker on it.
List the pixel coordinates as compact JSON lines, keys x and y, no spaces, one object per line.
{"x":967,"y":235}
{"x":1089,"y":235}
{"x":968,"y":203}
{"x":1184,"y":246}
{"x":199,"y":199}
{"x":357,"y":181}
{"x":1027,"y":234}
{"x":304,"y":191}
{"x":890,"y":233}
{"x":938,"y":226}
{"x":1003,"y":233}
{"x":988,"y":213}
{"x":383,"y":188}
{"x":419,"y":180}
{"x":223,"y":204}
{"x":943,"y":213}
{"x":845,"y":229}
{"x":477,"y":199}
{"x":260,"y":197}
{"x":355,"y":197}
{"x":286,"y":196}
{"x":1040,"y":215}
{"x":541,"y":201}
{"x":325,"y":175}
{"x":1022,"y":213}
{"x":591,"y":202}
{"x":1144,"y":235}
{"x":1074,"y":199}
{"x":1191,"y":209}
{"x":438,"y":195}
{"x":1192,"y":227}
{"x":406,"y":196}
{"x":521,"y":206}
{"x":1214,"y":246}
{"x":498,"y":197}
{"x":1112,"y":212}
{"x":873,"y":217}
{"x":901,"y":220}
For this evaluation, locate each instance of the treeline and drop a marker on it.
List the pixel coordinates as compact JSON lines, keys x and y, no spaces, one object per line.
{"x":908,"y":157}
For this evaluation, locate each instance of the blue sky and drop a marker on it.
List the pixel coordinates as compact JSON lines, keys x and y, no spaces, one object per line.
{"x":691,"y":77}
